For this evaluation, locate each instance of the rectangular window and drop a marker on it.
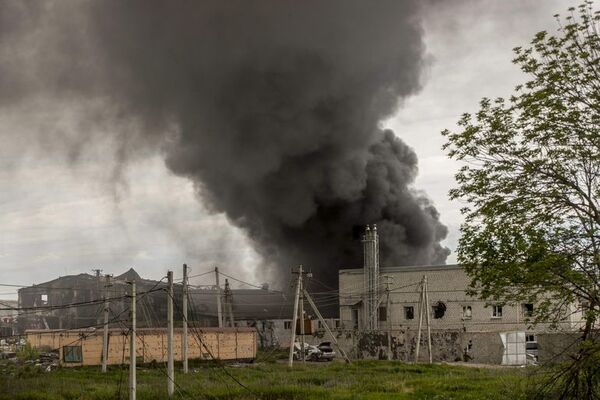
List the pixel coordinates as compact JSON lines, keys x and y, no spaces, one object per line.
{"x":467,"y":312}
{"x":409,"y":312}
{"x":72,"y":354}
{"x":497,"y":311}
{"x":383,"y":314}
{"x":287,"y":324}
{"x":337,"y":323}
{"x":354,"y":318}
{"x":320,"y":324}
{"x":528,"y":310}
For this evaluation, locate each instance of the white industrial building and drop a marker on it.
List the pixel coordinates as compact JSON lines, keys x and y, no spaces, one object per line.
{"x":363,"y":296}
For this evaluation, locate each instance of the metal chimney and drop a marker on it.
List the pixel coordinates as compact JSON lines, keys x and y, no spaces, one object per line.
{"x":370,"y":242}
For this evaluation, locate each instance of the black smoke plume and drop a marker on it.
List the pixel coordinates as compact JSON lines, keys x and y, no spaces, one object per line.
{"x":271,"y":107}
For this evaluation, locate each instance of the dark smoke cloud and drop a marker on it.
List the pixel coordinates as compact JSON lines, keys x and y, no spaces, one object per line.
{"x":272,"y":108}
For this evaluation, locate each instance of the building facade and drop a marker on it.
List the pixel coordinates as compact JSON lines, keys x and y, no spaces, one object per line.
{"x":463,"y":327}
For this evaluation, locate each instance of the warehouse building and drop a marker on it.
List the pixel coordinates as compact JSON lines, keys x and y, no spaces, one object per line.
{"x":463,"y":327}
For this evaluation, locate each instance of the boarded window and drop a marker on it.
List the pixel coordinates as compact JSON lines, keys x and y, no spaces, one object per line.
{"x":439,"y":310}
{"x":72,"y":354}
{"x":409,"y":312}
{"x":383,"y":314}
{"x":467,"y":312}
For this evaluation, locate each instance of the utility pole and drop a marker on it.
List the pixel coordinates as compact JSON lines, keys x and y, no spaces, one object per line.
{"x":132,"y":346}
{"x":170,"y":366}
{"x":318,"y":313}
{"x":424,"y":309}
{"x":301,"y":283}
{"x":184,"y":332}
{"x":388,"y":316}
{"x":426,"y":291}
{"x":105,"y":330}
{"x":421,"y":301}
{"x":295,"y":319}
{"x":228,"y":296}
{"x":219,"y":310}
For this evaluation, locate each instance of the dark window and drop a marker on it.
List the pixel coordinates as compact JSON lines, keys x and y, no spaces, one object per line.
{"x":528,"y":310}
{"x":497,"y":312}
{"x":530,"y":338}
{"x":439,"y":310}
{"x":287,"y":324}
{"x":355,"y":318}
{"x":409,"y":312}
{"x":337,"y":323}
{"x":72,"y":354}
{"x":383,"y":314}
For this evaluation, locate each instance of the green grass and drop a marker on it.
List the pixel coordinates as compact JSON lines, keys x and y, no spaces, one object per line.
{"x":372,"y":380}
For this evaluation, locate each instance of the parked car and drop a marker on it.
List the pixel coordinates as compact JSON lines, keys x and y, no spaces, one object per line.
{"x":322,"y":352}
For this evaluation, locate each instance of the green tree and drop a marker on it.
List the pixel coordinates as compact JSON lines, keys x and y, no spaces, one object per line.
{"x":530,"y":179}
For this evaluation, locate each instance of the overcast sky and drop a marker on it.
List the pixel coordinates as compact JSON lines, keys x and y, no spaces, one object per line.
{"x":59,"y":217}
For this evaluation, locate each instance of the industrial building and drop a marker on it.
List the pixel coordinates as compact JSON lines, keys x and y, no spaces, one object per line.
{"x":463,"y":327}
{"x":267,"y":312}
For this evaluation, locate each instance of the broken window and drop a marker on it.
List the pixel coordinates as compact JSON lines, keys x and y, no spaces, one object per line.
{"x":409,"y":312}
{"x":497,"y":311}
{"x":439,"y":310}
{"x":72,"y":354}
{"x":383,"y":314}
{"x":528,"y":310}
{"x":467,"y":312}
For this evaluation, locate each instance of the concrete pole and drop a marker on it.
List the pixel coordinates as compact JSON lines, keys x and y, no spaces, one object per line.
{"x":428,"y":319}
{"x":421,"y":301}
{"x":389,"y":321}
{"x":316,"y":310}
{"x":219,"y":309}
{"x":132,"y":346}
{"x":301,"y":283}
{"x":170,"y":365}
{"x":294,"y":321}
{"x":184,"y":333}
{"x":105,"y":330}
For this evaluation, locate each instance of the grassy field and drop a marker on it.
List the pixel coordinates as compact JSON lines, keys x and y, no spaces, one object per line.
{"x":362,"y":380}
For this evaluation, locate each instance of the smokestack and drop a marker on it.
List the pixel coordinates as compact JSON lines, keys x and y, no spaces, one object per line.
{"x":371,"y":277}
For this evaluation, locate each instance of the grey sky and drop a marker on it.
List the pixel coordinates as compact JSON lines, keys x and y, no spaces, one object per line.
{"x":59,"y":216}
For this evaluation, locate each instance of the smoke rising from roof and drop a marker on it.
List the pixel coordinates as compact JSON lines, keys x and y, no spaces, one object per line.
{"x":272,"y":108}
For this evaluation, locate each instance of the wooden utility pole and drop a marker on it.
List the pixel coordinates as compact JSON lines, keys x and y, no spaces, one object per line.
{"x":426,"y":291}
{"x":184,"y":333}
{"x":170,"y":365}
{"x":219,"y":309}
{"x":132,"y":346}
{"x":105,"y":330}
{"x":295,"y":319}
{"x":318,"y":313}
